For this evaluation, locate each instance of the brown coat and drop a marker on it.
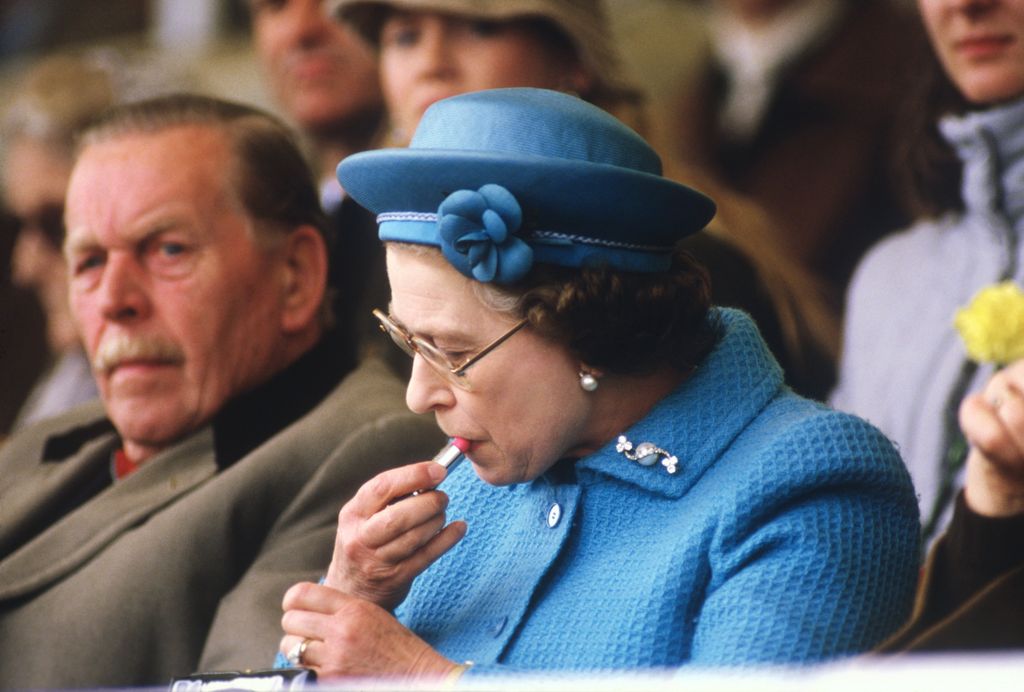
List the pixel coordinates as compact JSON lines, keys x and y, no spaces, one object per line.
{"x":993,"y":619}
{"x":971,"y":595}
{"x":820,"y":164}
{"x":181,"y":566}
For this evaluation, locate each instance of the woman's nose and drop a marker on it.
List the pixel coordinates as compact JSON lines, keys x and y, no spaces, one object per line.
{"x":427,"y":389}
{"x":433,"y":54}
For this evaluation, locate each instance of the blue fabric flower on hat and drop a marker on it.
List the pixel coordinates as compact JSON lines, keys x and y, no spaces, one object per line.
{"x":478,"y":234}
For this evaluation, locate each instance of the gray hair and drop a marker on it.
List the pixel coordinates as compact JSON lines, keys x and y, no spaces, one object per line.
{"x":62,"y":93}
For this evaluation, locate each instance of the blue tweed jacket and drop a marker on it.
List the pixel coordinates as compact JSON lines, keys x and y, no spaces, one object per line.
{"x":788,"y":534}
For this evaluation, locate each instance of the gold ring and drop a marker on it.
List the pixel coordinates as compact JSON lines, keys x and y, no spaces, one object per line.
{"x":296,"y":653}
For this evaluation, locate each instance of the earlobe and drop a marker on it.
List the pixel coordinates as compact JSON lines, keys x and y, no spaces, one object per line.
{"x":305,"y":278}
{"x":578,"y":81}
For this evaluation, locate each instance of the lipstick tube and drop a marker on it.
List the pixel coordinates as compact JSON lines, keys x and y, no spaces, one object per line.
{"x":451,"y":453}
{"x":449,"y":456}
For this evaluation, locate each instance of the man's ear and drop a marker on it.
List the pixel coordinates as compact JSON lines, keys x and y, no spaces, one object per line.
{"x":579,"y":80}
{"x":305,"y":278}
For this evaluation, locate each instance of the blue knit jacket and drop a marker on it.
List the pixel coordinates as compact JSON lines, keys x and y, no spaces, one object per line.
{"x":788,"y":534}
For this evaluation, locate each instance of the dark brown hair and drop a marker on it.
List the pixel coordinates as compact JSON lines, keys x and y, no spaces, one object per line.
{"x":928,"y":168}
{"x":621,"y":322}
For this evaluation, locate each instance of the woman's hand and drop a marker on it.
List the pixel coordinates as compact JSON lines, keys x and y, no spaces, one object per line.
{"x":993,"y":423}
{"x":351,"y":637}
{"x":386,"y":536}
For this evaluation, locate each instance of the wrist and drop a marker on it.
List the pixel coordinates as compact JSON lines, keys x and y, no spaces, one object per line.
{"x":991,"y":491}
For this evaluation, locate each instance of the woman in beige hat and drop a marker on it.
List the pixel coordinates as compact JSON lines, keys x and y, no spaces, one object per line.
{"x":432,"y":49}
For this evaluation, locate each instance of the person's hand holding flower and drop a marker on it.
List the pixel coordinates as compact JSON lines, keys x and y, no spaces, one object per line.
{"x":992,"y":420}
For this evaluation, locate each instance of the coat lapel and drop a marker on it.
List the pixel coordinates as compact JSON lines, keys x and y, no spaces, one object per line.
{"x":38,"y":492}
{"x":83,"y":533}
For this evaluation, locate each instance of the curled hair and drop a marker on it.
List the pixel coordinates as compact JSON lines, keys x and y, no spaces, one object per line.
{"x":621,"y":322}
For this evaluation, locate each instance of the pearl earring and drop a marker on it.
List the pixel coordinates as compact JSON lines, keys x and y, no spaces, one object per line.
{"x":588,"y":382}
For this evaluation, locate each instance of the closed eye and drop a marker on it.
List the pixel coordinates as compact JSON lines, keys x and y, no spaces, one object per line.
{"x":456,"y":357}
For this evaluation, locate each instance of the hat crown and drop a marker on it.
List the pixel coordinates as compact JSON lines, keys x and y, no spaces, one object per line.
{"x":536,"y":123}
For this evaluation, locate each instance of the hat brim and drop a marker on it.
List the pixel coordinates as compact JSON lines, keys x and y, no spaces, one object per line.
{"x":587,"y":33}
{"x":593,"y":199}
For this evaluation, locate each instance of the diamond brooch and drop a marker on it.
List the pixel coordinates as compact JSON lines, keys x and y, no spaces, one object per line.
{"x":646,"y":454}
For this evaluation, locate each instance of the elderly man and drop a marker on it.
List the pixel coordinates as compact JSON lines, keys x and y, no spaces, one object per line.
{"x":324,"y":78}
{"x":155,"y":535}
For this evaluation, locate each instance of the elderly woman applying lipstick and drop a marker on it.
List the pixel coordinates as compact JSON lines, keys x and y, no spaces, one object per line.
{"x":643,"y":490}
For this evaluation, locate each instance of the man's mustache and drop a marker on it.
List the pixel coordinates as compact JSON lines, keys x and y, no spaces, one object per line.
{"x":122,"y":348}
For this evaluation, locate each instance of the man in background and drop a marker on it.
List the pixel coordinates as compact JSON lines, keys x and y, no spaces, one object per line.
{"x":56,"y":97}
{"x":794,"y":106}
{"x":323,"y":77}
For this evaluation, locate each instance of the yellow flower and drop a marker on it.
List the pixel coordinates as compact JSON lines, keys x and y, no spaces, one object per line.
{"x":992,"y":326}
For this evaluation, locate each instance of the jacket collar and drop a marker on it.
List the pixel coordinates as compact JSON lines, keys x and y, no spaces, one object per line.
{"x":250,"y":419}
{"x":991,"y":145}
{"x":78,"y":456}
{"x":77,"y":537}
{"x":700,"y":419}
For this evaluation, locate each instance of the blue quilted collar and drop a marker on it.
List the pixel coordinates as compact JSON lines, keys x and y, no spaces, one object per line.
{"x":700,"y":419}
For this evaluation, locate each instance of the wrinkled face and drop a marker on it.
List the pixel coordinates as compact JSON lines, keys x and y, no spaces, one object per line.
{"x":980,"y":43}
{"x":427,"y":56}
{"x":321,"y":73}
{"x":526,"y":409}
{"x":175,"y":300}
{"x":35,"y":179}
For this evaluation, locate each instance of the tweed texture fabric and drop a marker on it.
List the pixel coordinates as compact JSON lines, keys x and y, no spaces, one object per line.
{"x":788,"y":534}
{"x":902,"y":357}
{"x":182,"y":565}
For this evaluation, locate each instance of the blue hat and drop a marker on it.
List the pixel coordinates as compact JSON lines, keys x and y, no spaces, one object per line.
{"x":504,"y":178}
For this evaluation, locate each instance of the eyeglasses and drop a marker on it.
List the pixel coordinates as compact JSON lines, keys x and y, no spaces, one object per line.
{"x":48,"y":219}
{"x":435,"y":357}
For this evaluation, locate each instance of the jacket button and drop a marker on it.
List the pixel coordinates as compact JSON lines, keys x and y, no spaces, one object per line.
{"x":554,"y":514}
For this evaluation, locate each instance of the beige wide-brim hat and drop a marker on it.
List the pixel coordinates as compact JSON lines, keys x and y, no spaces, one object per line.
{"x":584,"y":22}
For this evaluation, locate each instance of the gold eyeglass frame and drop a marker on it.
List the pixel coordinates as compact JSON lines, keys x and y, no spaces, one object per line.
{"x":412,"y":345}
